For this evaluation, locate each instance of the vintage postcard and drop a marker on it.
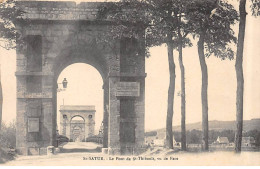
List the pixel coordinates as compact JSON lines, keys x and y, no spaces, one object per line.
{"x":131,"y":82}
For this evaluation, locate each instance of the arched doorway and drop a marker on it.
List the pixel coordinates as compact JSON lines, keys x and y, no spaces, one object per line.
{"x":77,"y":129}
{"x":85,"y":87}
{"x":83,"y":97}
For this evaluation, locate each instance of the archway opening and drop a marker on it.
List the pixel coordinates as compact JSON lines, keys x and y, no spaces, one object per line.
{"x":77,"y":129}
{"x":80,"y":105}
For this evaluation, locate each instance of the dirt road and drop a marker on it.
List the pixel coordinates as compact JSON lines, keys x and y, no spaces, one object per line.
{"x":88,"y":154}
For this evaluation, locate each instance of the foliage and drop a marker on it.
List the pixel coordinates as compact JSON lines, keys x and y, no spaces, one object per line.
{"x":6,"y":156}
{"x":127,"y":20}
{"x":151,"y":133}
{"x":7,"y":141}
{"x":255,"y":134}
{"x":194,"y":136}
{"x":130,"y":17}
{"x":255,"y":7}
{"x":8,"y":135}
{"x":8,"y":15}
{"x":215,"y":25}
{"x":213,"y":135}
{"x":166,"y":17}
{"x":177,"y":136}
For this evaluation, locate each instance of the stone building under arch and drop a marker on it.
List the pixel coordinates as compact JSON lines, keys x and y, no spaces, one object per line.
{"x":77,"y":130}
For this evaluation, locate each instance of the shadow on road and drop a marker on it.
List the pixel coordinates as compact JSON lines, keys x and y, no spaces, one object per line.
{"x":80,"y":150}
{"x":73,"y":147}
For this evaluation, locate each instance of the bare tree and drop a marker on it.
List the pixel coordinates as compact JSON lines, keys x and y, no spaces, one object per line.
{"x":255,"y":7}
{"x":212,"y":22}
{"x":240,"y":76}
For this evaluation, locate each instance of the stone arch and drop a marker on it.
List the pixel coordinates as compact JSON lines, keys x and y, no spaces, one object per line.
{"x":77,"y":129}
{"x":65,"y":38}
{"x":78,"y":116}
{"x":80,"y":54}
{"x":73,"y":111}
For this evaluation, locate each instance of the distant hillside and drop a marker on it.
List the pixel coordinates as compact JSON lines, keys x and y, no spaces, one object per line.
{"x":220,"y":125}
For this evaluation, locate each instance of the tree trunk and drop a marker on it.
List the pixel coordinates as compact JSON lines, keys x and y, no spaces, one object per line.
{"x":169,"y":134}
{"x":240,"y":77}
{"x":183,"y":99}
{"x":204,"y":92}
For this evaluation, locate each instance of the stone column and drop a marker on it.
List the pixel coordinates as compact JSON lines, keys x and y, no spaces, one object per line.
{"x":64,"y":125}
{"x":140,"y":113}
{"x":114,"y":117}
{"x":91,"y":125}
{"x":21,"y":127}
{"x":87,"y":126}
{"x":105,"y":116}
{"x":48,"y":119}
{"x":68,"y":130}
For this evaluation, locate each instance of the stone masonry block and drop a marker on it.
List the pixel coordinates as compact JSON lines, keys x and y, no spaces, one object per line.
{"x":43,"y":151}
{"x":33,"y":151}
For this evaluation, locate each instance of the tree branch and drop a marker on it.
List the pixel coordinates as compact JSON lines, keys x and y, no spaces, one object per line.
{"x":184,"y":36}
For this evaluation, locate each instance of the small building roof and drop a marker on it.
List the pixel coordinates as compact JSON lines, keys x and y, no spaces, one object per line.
{"x":222,"y":140}
{"x":77,"y":107}
{"x":248,"y":139}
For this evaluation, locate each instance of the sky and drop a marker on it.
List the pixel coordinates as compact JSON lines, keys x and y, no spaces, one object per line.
{"x":85,"y":84}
